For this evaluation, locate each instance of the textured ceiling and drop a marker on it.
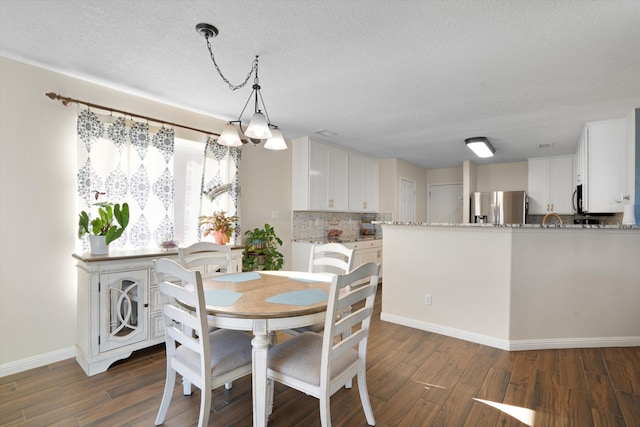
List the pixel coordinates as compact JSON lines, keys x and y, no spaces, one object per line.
{"x":393,"y":79}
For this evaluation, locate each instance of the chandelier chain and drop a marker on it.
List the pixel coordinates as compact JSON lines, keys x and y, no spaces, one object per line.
{"x":254,"y":68}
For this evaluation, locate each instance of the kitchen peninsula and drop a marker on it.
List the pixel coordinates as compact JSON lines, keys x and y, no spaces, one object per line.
{"x":515,"y":287}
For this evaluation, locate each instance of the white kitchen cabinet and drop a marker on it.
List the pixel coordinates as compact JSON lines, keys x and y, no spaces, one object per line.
{"x":328,"y":178}
{"x":366,"y":251}
{"x":118,"y":306}
{"x":319,"y":176}
{"x":602,"y":150}
{"x":551,"y":185}
{"x":363,"y":183}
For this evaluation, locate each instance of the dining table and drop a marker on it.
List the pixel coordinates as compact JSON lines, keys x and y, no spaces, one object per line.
{"x":263,"y":302}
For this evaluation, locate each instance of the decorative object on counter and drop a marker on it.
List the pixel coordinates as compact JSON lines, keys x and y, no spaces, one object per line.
{"x":629,"y":217}
{"x":334,"y":233}
{"x":367,"y":228}
{"x":168,"y":244}
{"x":552,"y":214}
{"x":219,"y":225}
{"x":260,"y":127}
{"x":103,"y":229}
{"x":261,"y":250}
{"x":481,"y":146}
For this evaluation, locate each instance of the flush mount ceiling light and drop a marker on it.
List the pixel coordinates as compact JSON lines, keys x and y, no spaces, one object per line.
{"x":480,"y":146}
{"x":260,"y":127}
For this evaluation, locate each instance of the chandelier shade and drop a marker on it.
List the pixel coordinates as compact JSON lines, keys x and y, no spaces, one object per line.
{"x":276,"y":141}
{"x":230,"y":136}
{"x":258,"y":127}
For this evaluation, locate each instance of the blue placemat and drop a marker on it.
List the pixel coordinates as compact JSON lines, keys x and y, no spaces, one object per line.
{"x":240,"y":277}
{"x":221,"y":297}
{"x":303,"y":297}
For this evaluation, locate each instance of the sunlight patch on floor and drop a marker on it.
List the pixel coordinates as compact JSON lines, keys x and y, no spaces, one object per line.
{"x":524,"y":415}
{"x":428,"y":386}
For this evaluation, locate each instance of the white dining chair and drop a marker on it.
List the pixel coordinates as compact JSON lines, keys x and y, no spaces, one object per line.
{"x":332,"y":258}
{"x":319,"y":365}
{"x":204,"y":359}
{"x":328,"y":258}
{"x":207,"y":257}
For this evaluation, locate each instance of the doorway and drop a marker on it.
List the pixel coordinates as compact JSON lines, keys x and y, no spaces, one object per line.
{"x":407,"y":200}
{"x":445,"y":203}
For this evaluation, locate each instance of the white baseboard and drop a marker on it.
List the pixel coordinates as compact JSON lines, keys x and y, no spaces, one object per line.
{"x":37,"y":361}
{"x":514,"y":345}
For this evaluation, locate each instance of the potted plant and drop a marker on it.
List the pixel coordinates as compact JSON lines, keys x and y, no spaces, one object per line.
{"x":261,"y":250}
{"x":106,"y":227}
{"x":219,"y":225}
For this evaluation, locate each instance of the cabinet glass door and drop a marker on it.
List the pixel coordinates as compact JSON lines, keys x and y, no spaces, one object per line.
{"x":123,"y":302}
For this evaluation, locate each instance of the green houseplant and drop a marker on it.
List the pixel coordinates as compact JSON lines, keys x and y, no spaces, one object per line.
{"x":219,"y":225}
{"x":109,"y":224}
{"x":261,"y":250}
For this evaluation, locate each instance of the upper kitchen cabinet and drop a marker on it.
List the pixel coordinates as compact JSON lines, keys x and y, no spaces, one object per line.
{"x":328,"y":178}
{"x":551,"y":185}
{"x":601,"y":166}
{"x":320,"y":174}
{"x":363,"y":183}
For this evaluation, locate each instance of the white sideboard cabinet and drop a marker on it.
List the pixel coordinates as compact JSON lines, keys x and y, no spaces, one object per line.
{"x":118,"y":306}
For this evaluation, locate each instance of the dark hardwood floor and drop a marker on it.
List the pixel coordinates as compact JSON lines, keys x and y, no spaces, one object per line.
{"x":415,"y":378}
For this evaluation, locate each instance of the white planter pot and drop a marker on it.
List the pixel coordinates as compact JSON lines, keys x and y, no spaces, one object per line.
{"x":99,"y":245}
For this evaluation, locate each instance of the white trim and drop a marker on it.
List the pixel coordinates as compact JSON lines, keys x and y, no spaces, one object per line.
{"x":445,"y":330}
{"x":515,"y":345}
{"x":37,"y":361}
{"x":543,"y":344}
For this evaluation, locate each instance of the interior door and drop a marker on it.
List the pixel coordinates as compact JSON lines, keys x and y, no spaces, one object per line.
{"x":445,"y":203}
{"x":407,"y":200}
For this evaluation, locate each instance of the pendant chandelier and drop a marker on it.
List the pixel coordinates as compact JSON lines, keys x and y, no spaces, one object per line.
{"x":260,"y":127}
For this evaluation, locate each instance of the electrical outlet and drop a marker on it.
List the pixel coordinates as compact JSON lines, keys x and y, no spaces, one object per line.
{"x":427,"y":299}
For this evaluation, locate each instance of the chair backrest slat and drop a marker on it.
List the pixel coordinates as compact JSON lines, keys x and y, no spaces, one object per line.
{"x":207,"y":257}
{"x":330,"y":258}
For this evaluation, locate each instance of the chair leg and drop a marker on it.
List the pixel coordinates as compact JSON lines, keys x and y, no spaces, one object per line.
{"x":170,"y":382}
{"x":325,"y":410}
{"x":186,"y":387}
{"x":364,"y":397}
{"x":205,"y":407}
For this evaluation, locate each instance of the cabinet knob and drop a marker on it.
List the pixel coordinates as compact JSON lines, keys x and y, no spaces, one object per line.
{"x":146,"y":305}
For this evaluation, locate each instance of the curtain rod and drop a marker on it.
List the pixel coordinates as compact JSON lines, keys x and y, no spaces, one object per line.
{"x":66,"y":101}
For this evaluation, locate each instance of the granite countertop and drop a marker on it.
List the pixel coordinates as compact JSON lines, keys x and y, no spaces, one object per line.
{"x":529,"y":226}
{"x":339,"y":239}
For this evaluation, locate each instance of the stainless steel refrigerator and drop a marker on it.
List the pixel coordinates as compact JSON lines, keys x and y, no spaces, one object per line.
{"x":499,"y":207}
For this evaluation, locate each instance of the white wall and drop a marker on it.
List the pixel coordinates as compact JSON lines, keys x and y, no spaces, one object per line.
{"x":265,"y":183}
{"x":391,"y":171}
{"x":38,"y":203}
{"x":575,"y":284}
{"x":466,"y":272}
{"x":515,"y":288}
{"x":502,"y":177}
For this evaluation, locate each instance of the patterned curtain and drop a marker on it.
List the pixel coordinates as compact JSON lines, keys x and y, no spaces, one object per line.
{"x":126,"y":161}
{"x":220,"y":186}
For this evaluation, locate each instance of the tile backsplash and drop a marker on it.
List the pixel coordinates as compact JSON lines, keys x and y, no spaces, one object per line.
{"x":312,"y":224}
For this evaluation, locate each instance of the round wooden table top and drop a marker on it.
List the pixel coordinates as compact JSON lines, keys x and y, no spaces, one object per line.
{"x":263,"y":285}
